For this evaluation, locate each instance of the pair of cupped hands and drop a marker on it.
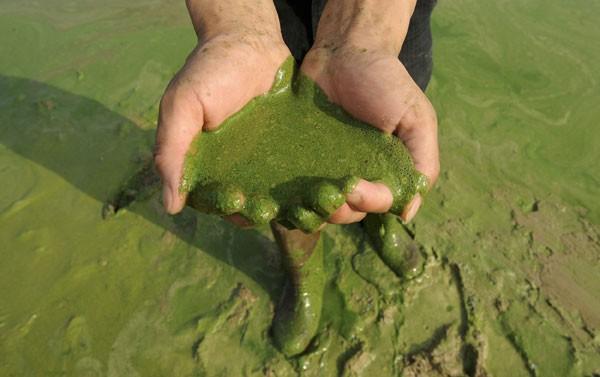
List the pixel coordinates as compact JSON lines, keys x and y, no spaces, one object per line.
{"x":233,"y":63}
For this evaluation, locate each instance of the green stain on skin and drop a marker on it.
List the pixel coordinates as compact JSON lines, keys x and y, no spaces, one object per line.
{"x":326,"y":198}
{"x":294,"y":156}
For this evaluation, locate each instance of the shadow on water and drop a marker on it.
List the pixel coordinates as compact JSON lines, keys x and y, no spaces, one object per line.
{"x":97,"y":150}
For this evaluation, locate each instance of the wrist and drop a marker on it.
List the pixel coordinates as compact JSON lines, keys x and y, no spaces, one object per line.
{"x":211,"y":19}
{"x":364,"y":25}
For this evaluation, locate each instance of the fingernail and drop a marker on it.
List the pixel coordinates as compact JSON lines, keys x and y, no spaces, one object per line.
{"x":411,"y":209}
{"x":322,"y":227}
{"x":168,"y":198}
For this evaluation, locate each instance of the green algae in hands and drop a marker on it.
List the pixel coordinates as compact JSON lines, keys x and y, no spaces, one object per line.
{"x":292,"y":156}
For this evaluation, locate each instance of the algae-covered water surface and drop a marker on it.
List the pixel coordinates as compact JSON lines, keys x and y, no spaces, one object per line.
{"x":511,"y":230}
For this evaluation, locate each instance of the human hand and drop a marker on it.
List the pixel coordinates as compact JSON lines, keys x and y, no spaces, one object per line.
{"x":236,"y":59}
{"x":357,"y":67}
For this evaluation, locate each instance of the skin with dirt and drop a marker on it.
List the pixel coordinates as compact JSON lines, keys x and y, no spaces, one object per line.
{"x":511,"y":231}
{"x":291,"y":155}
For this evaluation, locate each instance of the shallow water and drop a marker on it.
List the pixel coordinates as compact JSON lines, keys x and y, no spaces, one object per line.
{"x":512,"y":230}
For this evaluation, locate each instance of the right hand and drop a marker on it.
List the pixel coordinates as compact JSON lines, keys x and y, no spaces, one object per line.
{"x":221,"y":75}
{"x":373,"y":86}
{"x":355,"y":62}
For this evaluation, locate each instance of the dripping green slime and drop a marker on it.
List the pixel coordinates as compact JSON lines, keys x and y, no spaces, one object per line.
{"x":292,"y":155}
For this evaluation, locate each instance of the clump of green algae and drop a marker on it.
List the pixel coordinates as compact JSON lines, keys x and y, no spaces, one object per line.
{"x":292,"y":155}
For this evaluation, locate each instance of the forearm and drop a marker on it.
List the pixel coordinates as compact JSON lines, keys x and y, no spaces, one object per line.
{"x":211,"y":18}
{"x":381,"y":24}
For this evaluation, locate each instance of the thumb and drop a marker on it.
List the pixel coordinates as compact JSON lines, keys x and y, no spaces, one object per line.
{"x":180,"y":120}
{"x":418,"y":131}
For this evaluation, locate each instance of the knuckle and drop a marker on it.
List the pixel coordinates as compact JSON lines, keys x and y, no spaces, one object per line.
{"x":431,"y":117}
{"x":356,"y":199}
{"x":168,"y":97}
{"x":159,"y":161}
{"x":178,"y":96}
{"x":165,"y":102}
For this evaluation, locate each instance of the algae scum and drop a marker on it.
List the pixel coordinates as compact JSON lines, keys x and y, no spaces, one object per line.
{"x":291,"y":155}
{"x":512,"y":230}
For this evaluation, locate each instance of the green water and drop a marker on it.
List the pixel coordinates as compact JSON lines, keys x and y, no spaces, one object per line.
{"x":512,"y":228}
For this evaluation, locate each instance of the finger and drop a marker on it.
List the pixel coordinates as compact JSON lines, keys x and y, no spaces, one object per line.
{"x":370,"y":197}
{"x":346,"y":215}
{"x":180,"y":120}
{"x":419,"y":132}
{"x":239,"y":220}
{"x":411,"y":208}
{"x":321,"y":227}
